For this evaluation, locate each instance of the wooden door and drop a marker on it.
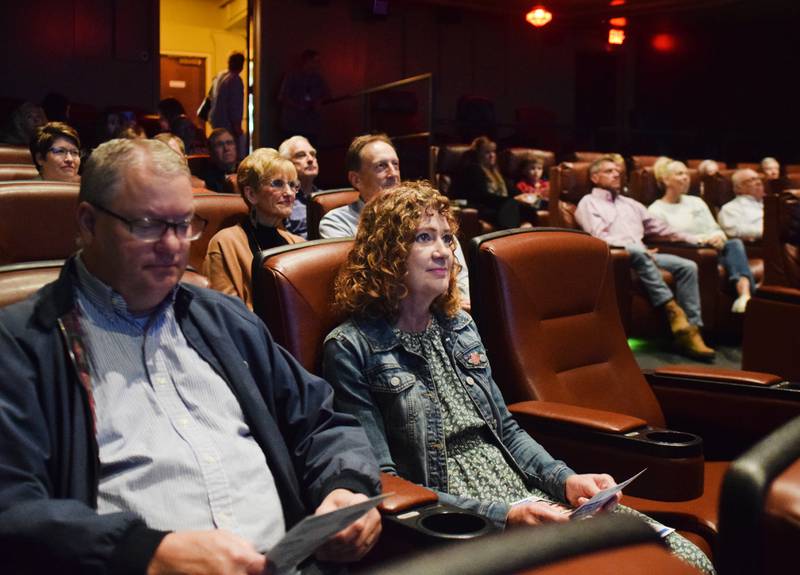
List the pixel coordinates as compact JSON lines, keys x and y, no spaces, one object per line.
{"x":184,"y":78}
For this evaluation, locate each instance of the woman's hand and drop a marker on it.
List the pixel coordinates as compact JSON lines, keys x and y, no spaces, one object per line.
{"x":580,"y":488}
{"x":536,"y":513}
{"x":717,"y":242}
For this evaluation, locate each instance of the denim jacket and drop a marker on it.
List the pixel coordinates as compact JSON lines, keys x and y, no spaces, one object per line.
{"x":390,"y":390}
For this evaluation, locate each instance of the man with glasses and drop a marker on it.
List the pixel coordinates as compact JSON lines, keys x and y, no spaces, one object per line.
{"x":151,"y":426}
{"x":743,"y":216}
{"x":56,"y":152}
{"x":222,"y":156}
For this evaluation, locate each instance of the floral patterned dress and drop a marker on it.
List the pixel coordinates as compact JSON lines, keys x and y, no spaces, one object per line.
{"x":476,"y":466}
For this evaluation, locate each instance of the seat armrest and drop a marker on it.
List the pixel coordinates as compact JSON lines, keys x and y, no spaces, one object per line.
{"x":664,"y":374}
{"x":595,"y":419}
{"x":779,"y":293}
{"x":406,"y":495}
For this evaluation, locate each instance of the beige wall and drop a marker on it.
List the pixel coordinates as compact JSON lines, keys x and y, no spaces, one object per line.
{"x":202,"y":28}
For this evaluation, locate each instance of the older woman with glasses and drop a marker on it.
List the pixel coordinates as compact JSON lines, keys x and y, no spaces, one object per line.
{"x":268,"y":183}
{"x":56,"y":152}
{"x":411,"y":367}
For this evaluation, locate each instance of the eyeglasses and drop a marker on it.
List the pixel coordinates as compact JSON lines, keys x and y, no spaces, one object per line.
{"x":64,"y":152}
{"x":152,"y":230}
{"x":279,"y":184}
{"x":224,"y":143}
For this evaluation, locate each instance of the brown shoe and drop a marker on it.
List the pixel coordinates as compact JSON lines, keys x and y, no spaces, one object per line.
{"x":678,"y":322}
{"x":690,"y":343}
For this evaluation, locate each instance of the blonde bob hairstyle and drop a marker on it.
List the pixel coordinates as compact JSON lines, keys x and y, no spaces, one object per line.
{"x":371,"y":282}
{"x":259,"y":167}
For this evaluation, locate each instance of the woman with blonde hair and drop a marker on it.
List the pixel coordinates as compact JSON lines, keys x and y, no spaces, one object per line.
{"x":268,"y":183}
{"x":411,"y":367}
{"x":690,"y":214}
{"x":480,"y":182}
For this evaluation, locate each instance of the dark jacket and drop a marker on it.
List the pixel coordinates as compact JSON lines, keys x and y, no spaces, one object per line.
{"x":49,"y":466}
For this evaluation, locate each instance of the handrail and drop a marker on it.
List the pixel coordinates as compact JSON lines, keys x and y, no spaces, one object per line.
{"x":381,"y":87}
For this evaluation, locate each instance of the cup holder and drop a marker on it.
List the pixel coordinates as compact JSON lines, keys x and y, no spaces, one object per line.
{"x":447,"y":524}
{"x":671,"y":437}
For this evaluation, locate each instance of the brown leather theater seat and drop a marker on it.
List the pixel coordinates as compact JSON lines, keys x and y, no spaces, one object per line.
{"x":773,"y":315}
{"x":695,"y":163}
{"x":293,"y":294}
{"x":221,"y":211}
{"x":605,"y":545}
{"x":10,"y":172}
{"x":15,"y":154}
{"x":544,"y":302}
{"x":38,"y":221}
{"x":21,"y":280}
{"x":760,"y":507}
{"x":324,"y":201}
{"x":639,"y":162}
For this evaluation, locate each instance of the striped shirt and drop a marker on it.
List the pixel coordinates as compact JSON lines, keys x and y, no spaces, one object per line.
{"x":174,"y":446}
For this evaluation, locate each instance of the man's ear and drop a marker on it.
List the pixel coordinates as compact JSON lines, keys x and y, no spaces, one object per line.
{"x":354,"y":179}
{"x":87,"y":219}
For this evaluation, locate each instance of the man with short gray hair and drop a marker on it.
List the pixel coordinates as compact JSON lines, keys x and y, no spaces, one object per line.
{"x":152,"y":426}
{"x":743,"y":216}
{"x":304,"y":157}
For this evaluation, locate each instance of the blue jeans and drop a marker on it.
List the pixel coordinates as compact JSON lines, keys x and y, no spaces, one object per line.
{"x":733,"y":258}
{"x":684,"y":271}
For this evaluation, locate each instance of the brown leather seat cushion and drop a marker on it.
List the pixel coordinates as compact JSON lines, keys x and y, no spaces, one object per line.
{"x":19,"y":281}
{"x":221,"y":211}
{"x":15,"y":154}
{"x":38,"y":221}
{"x":18,"y":172}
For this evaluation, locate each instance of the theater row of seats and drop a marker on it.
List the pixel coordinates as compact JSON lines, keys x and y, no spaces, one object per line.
{"x":580,"y":394}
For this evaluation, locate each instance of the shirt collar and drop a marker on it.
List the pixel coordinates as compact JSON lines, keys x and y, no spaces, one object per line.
{"x":604,"y":194}
{"x":108,"y":301}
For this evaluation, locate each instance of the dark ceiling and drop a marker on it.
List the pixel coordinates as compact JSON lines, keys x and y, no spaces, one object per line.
{"x":582,"y":9}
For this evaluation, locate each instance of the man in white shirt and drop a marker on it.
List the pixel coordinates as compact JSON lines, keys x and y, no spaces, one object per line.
{"x":743,"y":216}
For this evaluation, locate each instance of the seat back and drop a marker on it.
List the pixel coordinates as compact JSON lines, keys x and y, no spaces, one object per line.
{"x":695,"y":163}
{"x":15,"y":154}
{"x":21,"y":280}
{"x":569,"y":182}
{"x":639,"y":162}
{"x":781,"y":258}
{"x":9,"y":172}
{"x":718,"y":190}
{"x":587,"y":156}
{"x":644,"y":188}
{"x":759,"y":509}
{"x":509,"y":159}
{"x":38,"y":221}
{"x":449,"y":160}
{"x":293,"y":294}
{"x":324,"y":201}
{"x":546,"y":308}
{"x":221,"y":211}
{"x":198,"y":163}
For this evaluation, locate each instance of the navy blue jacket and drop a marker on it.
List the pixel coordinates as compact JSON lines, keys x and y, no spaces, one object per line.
{"x":49,"y":467}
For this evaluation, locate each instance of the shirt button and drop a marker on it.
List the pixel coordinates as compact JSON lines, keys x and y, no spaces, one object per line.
{"x":470,"y":381}
{"x":210,"y":459}
{"x":482,"y":357}
{"x":395,"y":381}
{"x":183,"y":421}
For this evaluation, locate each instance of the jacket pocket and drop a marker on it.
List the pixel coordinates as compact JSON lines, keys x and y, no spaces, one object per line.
{"x":399,"y":395}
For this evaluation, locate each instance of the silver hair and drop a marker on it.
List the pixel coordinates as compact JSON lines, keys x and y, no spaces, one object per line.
{"x":285,"y":149}
{"x":740,"y":176}
{"x":105,"y":169}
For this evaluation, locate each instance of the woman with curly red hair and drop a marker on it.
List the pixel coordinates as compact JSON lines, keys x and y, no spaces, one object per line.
{"x":410,"y":365}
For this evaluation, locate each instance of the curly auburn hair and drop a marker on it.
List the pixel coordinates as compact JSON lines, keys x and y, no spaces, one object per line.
{"x":372,"y":281}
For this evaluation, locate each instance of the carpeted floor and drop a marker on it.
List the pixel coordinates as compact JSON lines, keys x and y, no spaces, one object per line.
{"x":651,"y":353}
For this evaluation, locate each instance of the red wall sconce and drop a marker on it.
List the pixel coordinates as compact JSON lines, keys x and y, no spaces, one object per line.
{"x":539,"y":16}
{"x":616,"y":36}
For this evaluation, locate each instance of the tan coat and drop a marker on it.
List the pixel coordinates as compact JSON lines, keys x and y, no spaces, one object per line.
{"x":229,"y":260}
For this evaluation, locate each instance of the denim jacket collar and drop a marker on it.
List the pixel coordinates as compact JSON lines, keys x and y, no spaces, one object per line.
{"x":381,"y":336}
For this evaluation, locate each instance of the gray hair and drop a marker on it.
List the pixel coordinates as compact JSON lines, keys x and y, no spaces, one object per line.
{"x":740,"y":176}
{"x":104,"y":171}
{"x":285,"y":149}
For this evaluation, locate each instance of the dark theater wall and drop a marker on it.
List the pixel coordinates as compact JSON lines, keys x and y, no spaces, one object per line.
{"x":96,"y":52}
